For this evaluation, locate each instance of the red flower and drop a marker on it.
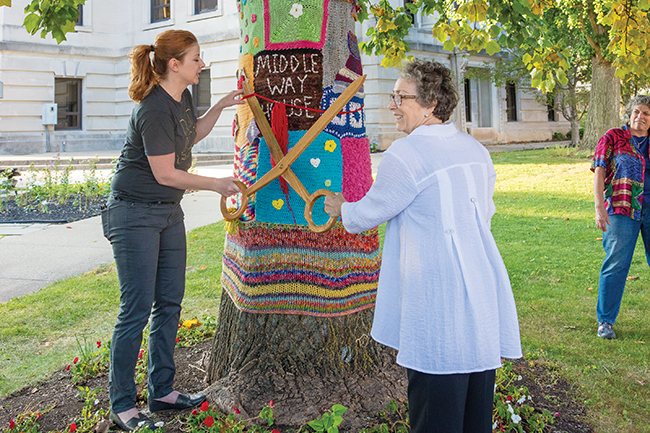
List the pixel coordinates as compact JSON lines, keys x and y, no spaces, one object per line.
{"x":509,"y":398}
{"x":236,"y":410}
{"x":67,"y":368}
{"x":271,"y":404}
{"x":179,"y":324}
{"x":209,"y":421}
{"x":194,"y":412}
{"x":73,"y":427}
{"x":99,"y":344}
{"x":177,"y":339}
{"x":12,"y":424}
{"x":38,"y":416}
{"x":141,"y":353}
{"x":75,"y":360}
{"x":205,"y":406}
{"x":275,"y":431}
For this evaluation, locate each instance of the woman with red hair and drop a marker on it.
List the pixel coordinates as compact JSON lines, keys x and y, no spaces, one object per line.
{"x":143,"y":219}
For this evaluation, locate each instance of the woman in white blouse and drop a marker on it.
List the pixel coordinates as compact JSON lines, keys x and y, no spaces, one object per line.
{"x":444,"y":299}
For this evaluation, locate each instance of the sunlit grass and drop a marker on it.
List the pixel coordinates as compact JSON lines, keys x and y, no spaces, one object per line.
{"x":545,"y":230}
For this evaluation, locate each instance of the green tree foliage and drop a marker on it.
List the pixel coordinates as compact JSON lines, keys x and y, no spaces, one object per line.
{"x":56,"y":17}
{"x":616,"y":30}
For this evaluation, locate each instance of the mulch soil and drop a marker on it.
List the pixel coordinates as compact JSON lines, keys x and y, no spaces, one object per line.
{"x":76,"y":208}
{"x":61,"y":396}
{"x":58,"y":399}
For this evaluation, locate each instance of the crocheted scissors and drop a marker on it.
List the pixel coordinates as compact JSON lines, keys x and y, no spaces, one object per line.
{"x":282,"y":167}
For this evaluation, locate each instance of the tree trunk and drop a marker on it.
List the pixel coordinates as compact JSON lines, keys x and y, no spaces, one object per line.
{"x":575,"y":132}
{"x":604,"y":102}
{"x":304,"y":364}
{"x":296,"y":309}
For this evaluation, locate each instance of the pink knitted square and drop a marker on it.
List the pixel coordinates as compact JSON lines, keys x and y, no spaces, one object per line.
{"x":357,"y":167}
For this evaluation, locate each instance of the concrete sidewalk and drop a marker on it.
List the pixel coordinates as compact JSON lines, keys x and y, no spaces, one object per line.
{"x":33,"y":256}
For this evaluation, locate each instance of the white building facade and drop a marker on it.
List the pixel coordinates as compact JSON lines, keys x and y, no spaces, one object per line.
{"x":73,"y":96}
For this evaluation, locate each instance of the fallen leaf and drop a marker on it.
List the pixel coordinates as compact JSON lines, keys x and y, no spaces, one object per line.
{"x":203,"y":267}
{"x":590,"y":289}
{"x":599,"y":239}
{"x":68,"y":227}
{"x":536,"y":228}
{"x":641,"y":382}
{"x":545,"y":218}
{"x":633,"y":278}
{"x":566,"y":219}
{"x":640,"y":342}
{"x":571,"y":327}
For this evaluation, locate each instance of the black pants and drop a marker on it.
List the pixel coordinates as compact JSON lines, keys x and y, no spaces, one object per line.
{"x":454,"y":403}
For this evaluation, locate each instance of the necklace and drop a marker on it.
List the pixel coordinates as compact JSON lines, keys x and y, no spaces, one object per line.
{"x":639,"y":141}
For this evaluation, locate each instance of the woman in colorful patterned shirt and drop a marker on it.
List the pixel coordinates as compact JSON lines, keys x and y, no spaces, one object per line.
{"x":444,"y":299}
{"x":621,"y":187}
{"x":143,"y":219}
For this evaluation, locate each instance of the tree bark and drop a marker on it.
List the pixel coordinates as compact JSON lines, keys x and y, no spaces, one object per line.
{"x":304,"y":364}
{"x":604,"y":102}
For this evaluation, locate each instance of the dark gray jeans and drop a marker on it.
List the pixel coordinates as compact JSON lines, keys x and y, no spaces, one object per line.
{"x":149,"y":247}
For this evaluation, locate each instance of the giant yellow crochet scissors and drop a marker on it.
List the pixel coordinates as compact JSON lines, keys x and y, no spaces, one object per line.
{"x":283,"y":164}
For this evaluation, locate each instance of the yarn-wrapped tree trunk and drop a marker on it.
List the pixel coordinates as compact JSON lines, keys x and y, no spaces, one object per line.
{"x":297,"y":306}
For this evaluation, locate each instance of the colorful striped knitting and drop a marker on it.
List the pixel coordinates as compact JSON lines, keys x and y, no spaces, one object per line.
{"x":275,"y":268}
{"x":304,"y":54}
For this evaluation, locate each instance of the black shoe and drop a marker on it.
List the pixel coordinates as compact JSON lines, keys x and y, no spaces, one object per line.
{"x":184,"y":401}
{"x":134,"y":423}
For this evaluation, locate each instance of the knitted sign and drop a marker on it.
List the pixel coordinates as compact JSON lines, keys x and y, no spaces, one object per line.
{"x":299,"y":56}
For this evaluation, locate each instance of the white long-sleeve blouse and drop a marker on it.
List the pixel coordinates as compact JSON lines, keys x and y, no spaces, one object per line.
{"x":444,"y":299}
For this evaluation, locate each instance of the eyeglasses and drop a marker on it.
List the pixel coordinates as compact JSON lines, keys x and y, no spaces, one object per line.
{"x":399,"y":98}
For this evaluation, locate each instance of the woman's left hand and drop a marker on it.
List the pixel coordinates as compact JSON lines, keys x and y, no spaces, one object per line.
{"x":333,"y":204}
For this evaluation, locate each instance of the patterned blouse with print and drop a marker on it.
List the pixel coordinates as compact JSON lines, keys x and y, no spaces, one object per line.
{"x":624,"y":168}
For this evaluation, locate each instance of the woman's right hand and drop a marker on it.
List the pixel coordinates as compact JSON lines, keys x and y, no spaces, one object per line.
{"x":602,"y":219}
{"x":226,"y":186}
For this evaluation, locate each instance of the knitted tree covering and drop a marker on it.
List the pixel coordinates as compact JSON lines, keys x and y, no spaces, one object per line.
{"x":292,"y":56}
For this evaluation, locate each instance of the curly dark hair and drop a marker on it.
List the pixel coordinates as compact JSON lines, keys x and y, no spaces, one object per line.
{"x":435,"y":86}
{"x":634,"y":101}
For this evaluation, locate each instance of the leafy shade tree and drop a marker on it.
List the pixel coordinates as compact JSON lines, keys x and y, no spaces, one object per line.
{"x":618,"y":32}
{"x":571,"y":98}
{"x":56,"y":17}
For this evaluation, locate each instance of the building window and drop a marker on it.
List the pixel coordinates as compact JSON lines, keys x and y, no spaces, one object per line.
{"x":550,"y":108}
{"x":408,"y":12}
{"x":80,"y":17}
{"x":201,"y":6}
{"x":160,"y":10}
{"x":511,"y":101}
{"x":468,"y":101}
{"x":201,"y":93}
{"x":67,"y":96}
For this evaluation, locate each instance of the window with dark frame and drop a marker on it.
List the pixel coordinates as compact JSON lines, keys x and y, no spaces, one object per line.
{"x":201,"y":95}
{"x":67,"y":96}
{"x":408,"y":12}
{"x":201,"y":6}
{"x":468,"y":101}
{"x":550,"y":108}
{"x":160,"y":10}
{"x":511,"y":101}
{"x":80,"y":17}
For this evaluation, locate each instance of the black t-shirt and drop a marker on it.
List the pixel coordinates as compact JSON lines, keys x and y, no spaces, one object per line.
{"x":159,"y":125}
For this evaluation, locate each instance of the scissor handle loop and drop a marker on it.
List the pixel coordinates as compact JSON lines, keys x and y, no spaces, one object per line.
{"x":309,"y":206}
{"x":242,"y":207}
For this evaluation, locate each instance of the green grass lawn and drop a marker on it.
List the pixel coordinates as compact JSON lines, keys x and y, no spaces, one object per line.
{"x":546,"y":234}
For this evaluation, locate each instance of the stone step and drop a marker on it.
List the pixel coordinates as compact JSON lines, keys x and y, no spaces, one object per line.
{"x":23,"y":164}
